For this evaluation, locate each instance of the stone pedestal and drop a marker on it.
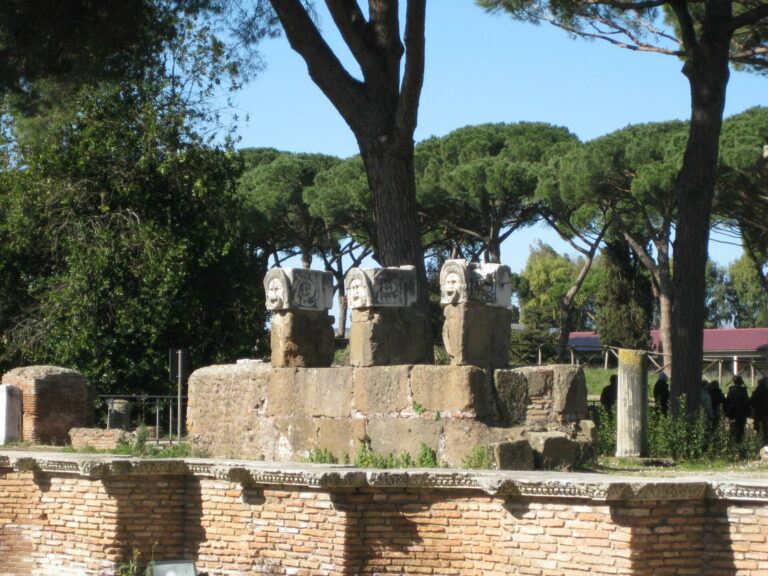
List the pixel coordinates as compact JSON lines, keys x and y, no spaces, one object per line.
{"x":477,"y":335}
{"x":10,"y":414}
{"x":302,"y":338}
{"x":387,"y":337}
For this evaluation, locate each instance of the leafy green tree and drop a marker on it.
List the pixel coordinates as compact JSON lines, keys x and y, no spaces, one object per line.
{"x":627,"y":178}
{"x":624,"y":308}
{"x":121,"y":233}
{"x":720,"y":297}
{"x":341,"y":197}
{"x":546,"y":279}
{"x":742,"y":201}
{"x":708,"y":36}
{"x":276,"y":190}
{"x":750,"y":297}
{"x":478,"y":182}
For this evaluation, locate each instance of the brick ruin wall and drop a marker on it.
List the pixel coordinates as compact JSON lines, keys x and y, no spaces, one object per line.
{"x":253,"y":410}
{"x":54,"y":401}
{"x":66,"y":515}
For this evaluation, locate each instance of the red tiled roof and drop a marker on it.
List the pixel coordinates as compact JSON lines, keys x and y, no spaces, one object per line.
{"x":715,"y":340}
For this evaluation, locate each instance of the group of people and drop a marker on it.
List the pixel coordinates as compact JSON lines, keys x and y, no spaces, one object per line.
{"x":737,"y":405}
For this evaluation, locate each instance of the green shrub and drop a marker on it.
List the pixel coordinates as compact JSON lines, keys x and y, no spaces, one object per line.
{"x":480,"y":458}
{"x":321,"y":456}
{"x":367,"y":458}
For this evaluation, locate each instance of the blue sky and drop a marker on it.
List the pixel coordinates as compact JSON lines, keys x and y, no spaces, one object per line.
{"x":488,"y":68}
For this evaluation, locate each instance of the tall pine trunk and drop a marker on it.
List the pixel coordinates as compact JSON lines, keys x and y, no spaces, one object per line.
{"x":707,"y":72}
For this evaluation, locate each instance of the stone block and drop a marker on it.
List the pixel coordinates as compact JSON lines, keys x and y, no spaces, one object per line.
{"x":302,"y":338}
{"x":513,"y":455}
{"x":10,"y":414}
{"x":477,"y":335}
{"x":284,"y":394}
{"x":462,"y":437}
{"x":298,"y":289}
{"x":393,"y":287}
{"x":554,"y":449}
{"x":459,"y":390}
{"x":324,"y":392}
{"x":294,"y":438}
{"x":386,"y":337}
{"x":512,"y":395}
{"x":342,"y":437}
{"x":487,"y":284}
{"x":381,"y":389}
{"x":396,"y":435}
{"x":569,"y":392}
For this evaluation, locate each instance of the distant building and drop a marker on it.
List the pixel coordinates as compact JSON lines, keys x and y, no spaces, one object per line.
{"x":734,"y":349}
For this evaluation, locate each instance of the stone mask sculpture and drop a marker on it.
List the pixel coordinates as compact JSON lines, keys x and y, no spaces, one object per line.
{"x":298,"y":289}
{"x":381,"y":287}
{"x":462,"y":282}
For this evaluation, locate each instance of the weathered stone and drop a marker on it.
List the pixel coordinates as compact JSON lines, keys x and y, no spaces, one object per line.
{"x":477,"y":335}
{"x":296,"y":437}
{"x":487,"y":284}
{"x":512,"y":394}
{"x":463,"y":436}
{"x":325,"y":392}
{"x":459,"y":390}
{"x":381,"y":389}
{"x":302,"y":338}
{"x":226,"y":403}
{"x":569,"y":392}
{"x":393,"y":287}
{"x":283,"y":394}
{"x":397,"y":435}
{"x":513,"y":455}
{"x":554,"y":449}
{"x":386,"y":337}
{"x":10,"y":414}
{"x":298,"y":289}
{"x":341,"y":437}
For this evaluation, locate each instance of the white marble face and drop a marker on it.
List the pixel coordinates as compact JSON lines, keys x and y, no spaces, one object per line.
{"x":462,"y":281}
{"x":357,"y":293}
{"x":452,"y":288}
{"x":381,"y":287}
{"x":298,"y":289}
{"x":275,"y":294}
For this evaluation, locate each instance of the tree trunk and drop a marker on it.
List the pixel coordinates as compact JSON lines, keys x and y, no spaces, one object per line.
{"x":389,"y":166}
{"x":665,"y":326}
{"x":707,"y":72}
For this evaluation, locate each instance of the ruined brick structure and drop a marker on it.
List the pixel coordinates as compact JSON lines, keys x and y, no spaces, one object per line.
{"x":80,"y":515}
{"x":54,"y":400}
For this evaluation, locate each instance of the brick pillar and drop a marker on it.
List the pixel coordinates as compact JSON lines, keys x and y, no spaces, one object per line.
{"x":54,"y":400}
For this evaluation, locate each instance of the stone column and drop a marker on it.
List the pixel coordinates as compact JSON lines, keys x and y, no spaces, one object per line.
{"x":386,"y":328}
{"x":476,"y":302}
{"x":632,"y":405}
{"x":302,"y":330}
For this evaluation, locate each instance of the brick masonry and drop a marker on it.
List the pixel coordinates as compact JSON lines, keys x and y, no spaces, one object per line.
{"x":80,"y":515}
{"x":53,"y":401}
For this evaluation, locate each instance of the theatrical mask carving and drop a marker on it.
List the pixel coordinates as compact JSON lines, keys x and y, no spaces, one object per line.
{"x":381,"y":287}
{"x":462,"y":281}
{"x":298,"y":289}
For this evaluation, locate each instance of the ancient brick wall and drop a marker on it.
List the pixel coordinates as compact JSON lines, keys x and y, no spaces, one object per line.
{"x":80,"y":515}
{"x":53,"y":401}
